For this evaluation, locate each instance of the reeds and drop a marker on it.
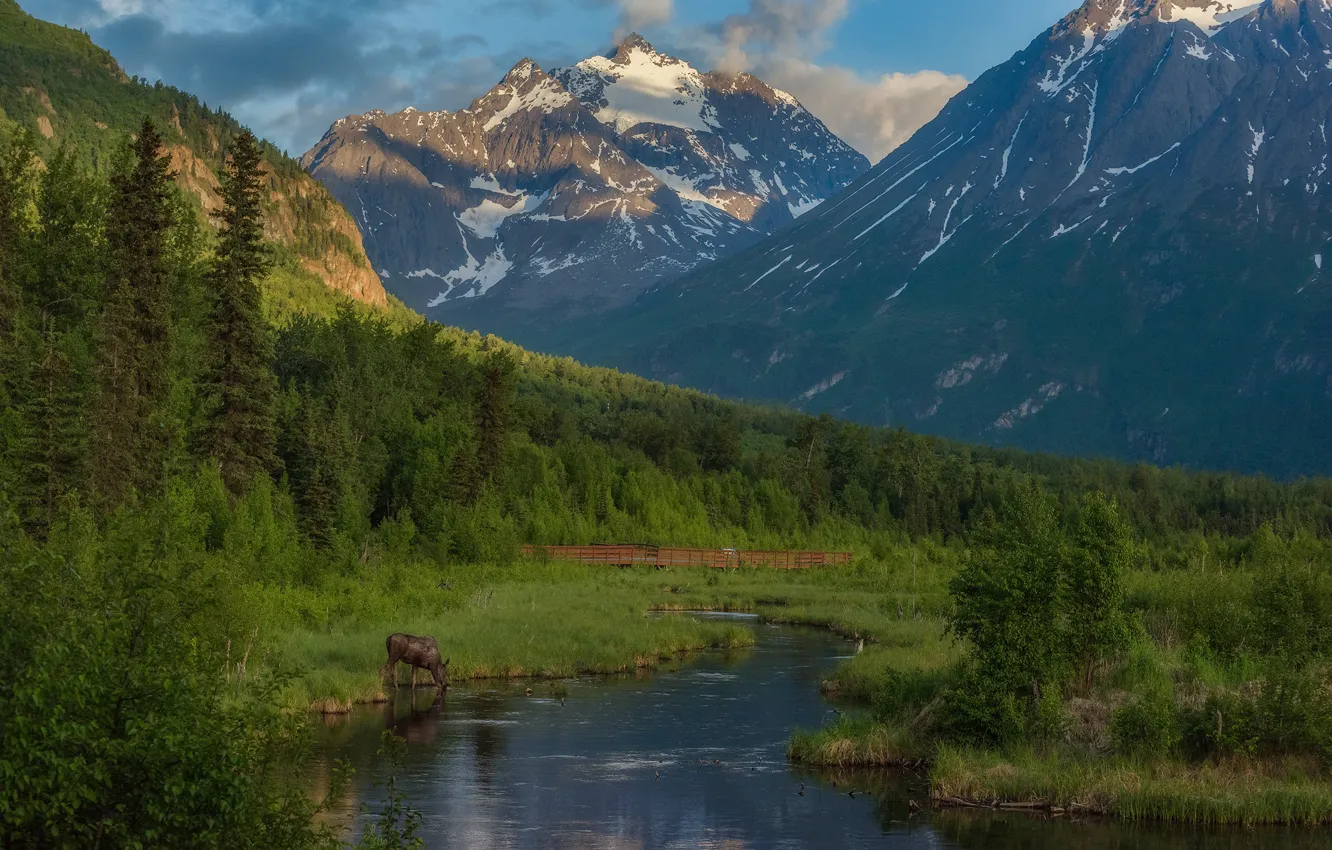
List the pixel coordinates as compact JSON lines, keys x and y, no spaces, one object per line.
{"x":1246,"y":793}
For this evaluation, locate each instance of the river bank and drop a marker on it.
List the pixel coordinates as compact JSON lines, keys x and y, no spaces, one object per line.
{"x":538,"y":620}
{"x":1083,"y":761}
{"x":549,"y":620}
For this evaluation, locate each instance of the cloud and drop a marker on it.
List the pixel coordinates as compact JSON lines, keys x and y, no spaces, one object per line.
{"x":779,"y":41}
{"x":794,"y":29}
{"x":872,"y":114}
{"x":639,"y":14}
{"x":290,"y":68}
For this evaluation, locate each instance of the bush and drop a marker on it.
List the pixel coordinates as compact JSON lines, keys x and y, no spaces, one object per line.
{"x":1226,"y":725}
{"x":1149,"y":726}
{"x":978,"y":711}
{"x":117,"y":726}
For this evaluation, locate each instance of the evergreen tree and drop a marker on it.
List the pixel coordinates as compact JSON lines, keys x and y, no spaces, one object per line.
{"x":240,"y":429}
{"x":493,"y":415}
{"x":17,"y":162}
{"x":129,"y":427}
{"x":68,"y":268}
{"x":476,"y":467}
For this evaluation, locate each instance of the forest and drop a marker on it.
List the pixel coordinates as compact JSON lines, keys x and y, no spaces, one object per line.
{"x":211,"y":512}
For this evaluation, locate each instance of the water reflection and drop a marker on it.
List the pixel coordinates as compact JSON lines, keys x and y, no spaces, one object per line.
{"x":975,"y":831}
{"x":693,"y":757}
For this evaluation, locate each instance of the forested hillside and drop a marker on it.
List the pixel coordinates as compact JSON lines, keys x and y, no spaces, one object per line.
{"x":73,"y":95}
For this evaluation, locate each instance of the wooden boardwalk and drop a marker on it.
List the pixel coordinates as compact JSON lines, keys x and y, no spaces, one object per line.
{"x":665,"y":556}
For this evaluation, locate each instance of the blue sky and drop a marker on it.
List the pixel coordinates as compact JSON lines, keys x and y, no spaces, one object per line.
{"x":874,"y":70}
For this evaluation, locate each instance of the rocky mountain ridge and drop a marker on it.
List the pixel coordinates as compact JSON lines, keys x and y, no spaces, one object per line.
{"x":574,"y":190}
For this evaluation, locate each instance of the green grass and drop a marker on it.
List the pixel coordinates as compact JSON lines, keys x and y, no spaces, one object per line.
{"x":548,"y":619}
{"x":858,"y":741}
{"x":1278,"y":792}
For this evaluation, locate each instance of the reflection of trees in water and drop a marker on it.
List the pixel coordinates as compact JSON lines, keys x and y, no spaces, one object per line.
{"x":973,"y":830}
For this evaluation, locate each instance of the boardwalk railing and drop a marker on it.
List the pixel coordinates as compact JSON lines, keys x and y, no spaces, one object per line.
{"x":664,"y":556}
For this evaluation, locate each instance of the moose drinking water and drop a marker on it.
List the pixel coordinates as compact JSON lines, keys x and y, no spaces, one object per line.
{"x":419,"y":652}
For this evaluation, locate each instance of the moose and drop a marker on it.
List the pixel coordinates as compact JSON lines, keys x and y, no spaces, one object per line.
{"x":419,"y":652}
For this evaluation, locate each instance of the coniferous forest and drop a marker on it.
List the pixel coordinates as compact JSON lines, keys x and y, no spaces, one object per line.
{"x":201,"y":508}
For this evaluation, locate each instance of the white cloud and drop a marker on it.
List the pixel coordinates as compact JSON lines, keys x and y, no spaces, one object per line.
{"x":872,"y":114}
{"x":638,"y":14}
{"x":792,"y":29}
{"x":779,"y":41}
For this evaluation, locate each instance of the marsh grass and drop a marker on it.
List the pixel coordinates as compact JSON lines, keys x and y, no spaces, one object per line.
{"x":545,"y":619}
{"x":1242,"y":793}
{"x":539,"y":630}
{"x":857,"y":741}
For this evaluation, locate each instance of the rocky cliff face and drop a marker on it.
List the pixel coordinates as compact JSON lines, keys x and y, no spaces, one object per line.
{"x":571,"y":192}
{"x":1113,"y":243}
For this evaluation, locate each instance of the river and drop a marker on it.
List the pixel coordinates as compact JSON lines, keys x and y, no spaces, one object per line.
{"x":688,"y":757}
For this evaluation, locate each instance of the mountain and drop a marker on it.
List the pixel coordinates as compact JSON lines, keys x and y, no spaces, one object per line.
{"x":572,"y":191}
{"x":58,"y":84}
{"x":1111,"y":244}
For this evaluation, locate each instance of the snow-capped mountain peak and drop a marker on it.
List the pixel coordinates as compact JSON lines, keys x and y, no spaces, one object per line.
{"x":637,"y":85}
{"x":579,"y":186}
{"x":1110,"y":16}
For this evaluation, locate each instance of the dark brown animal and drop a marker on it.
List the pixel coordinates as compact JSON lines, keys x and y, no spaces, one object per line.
{"x":419,"y":652}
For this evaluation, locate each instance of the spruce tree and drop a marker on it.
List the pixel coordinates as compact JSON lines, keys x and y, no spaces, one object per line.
{"x":68,"y":270}
{"x":240,"y":428}
{"x":497,"y":390}
{"x":129,"y":428}
{"x":17,"y":162}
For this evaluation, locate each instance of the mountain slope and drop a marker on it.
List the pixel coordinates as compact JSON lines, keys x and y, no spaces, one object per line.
{"x":1111,"y":244}
{"x":66,"y":90}
{"x":574,"y":190}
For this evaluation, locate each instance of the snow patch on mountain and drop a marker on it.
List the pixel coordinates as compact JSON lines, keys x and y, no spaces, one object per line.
{"x":640,"y":86}
{"x":547,"y":96}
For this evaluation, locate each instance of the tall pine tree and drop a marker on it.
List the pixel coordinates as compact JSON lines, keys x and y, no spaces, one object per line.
{"x":129,"y":421}
{"x":68,"y":272}
{"x":17,"y":162}
{"x":240,"y":428}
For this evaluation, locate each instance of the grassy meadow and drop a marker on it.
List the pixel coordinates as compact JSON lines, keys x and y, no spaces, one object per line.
{"x":545,"y":619}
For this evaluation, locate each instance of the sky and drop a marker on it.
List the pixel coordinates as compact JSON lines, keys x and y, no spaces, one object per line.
{"x":873,"y":70}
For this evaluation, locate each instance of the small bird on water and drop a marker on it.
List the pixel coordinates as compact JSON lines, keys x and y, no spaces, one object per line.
{"x":801,"y":792}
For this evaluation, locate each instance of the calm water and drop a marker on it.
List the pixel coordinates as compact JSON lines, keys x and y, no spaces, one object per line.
{"x":692,"y":757}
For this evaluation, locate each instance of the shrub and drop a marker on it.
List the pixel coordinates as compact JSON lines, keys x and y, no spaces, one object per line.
{"x":1226,"y":725}
{"x":1148,"y":726}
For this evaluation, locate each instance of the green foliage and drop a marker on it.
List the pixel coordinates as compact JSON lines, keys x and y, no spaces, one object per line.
{"x":1036,"y":600}
{"x":116,"y":727}
{"x":1150,"y":725}
{"x":1010,"y":605}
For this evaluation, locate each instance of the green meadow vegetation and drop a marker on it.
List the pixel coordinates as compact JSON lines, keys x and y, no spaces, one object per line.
{"x":1076,"y":669}
{"x":216,"y":500}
